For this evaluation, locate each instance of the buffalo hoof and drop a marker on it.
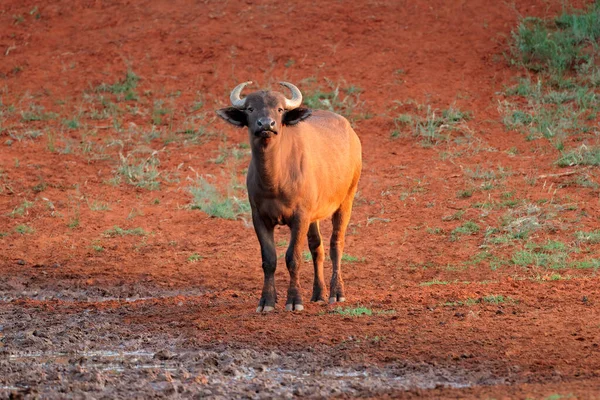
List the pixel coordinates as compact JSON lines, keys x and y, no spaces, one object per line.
{"x":294,"y":307}
{"x":264,"y":309}
{"x":317,"y":299}
{"x":333,"y":299}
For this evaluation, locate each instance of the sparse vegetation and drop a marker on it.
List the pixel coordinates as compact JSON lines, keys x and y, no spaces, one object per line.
{"x":140,"y":172}
{"x":489,"y":299}
{"x":124,"y":89}
{"x":24,"y":229}
{"x":208,"y":199}
{"x":434,"y":126}
{"x":195,"y":258}
{"x":588,"y":237}
{"x":352,"y":311}
{"x":37,"y":113}
{"x":434,"y":282}
{"x":344,"y":100}
{"x":584,"y":155}
{"x":563,"y":101}
{"x":118,"y":231}
{"x":351,"y":259}
{"x":468,"y":228}
{"x":20,"y":210}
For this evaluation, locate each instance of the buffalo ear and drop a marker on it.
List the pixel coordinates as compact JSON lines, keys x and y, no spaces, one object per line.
{"x":233,"y":115}
{"x":292,"y":117}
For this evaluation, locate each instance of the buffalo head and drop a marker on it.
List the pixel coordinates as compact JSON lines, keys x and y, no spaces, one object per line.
{"x":265,"y":113}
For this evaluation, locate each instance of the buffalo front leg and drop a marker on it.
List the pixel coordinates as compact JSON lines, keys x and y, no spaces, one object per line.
{"x":264,"y":232}
{"x":340,"y":221}
{"x":293,"y":259}
{"x":315,"y":244}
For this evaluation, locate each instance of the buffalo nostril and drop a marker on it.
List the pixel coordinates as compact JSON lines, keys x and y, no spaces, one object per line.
{"x":272,"y":123}
{"x":259,"y":123}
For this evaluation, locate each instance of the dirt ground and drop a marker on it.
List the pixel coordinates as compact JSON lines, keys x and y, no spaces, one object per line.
{"x":166,"y":306}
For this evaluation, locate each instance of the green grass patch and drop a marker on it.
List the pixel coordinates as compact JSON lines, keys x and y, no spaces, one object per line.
{"x":468,"y":228}
{"x":359,"y":311}
{"x":551,"y":255}
{"x":341,"y":99}
{"x":584,"y":155}
{"x":141,"y":173}
{"x":37,"y":113}
{"x":352,"y":311}
{"x":489,"y":299}
{"x":124,"y":89}
{"x":195,"y":258}
{"x":432,"y":126}
{"x":24,"y":229}
{"x":351,"y":259}
{"x":562,"y":52}
{"x":588,"y":237}
{"x":20,"y":210}
{"x":208,"y":199}
{"x":559,"y":44}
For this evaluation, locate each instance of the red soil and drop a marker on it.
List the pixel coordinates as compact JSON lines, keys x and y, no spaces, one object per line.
{"x":449,"y":53}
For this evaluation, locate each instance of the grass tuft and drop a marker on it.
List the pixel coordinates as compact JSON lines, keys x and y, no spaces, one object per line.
{"x":118,"y":231}
{"x":208,"y":199}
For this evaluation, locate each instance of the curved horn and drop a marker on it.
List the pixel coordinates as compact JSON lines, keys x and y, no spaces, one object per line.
{"x":235,"y":95}
{"x":296,"y":99}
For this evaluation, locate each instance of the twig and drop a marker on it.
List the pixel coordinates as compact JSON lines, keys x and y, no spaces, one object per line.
{"x":562,"y":173}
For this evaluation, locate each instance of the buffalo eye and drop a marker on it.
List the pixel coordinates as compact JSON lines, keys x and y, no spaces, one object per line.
{"x":280,"y":110}
{"x":249,"y":109}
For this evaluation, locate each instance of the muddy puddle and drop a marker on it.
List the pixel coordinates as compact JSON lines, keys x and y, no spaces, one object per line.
{"x":224,"y":373}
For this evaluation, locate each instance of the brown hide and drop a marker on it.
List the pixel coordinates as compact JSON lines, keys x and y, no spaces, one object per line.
{"x":313,"y":168}
{"x":305,"y":167}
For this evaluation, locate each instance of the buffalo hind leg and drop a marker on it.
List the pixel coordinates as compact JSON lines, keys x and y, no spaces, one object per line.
{"x":340,"y":221}
{"x":269,"y":263}
{"x":293,"y":260}
{"x":315,"y":244}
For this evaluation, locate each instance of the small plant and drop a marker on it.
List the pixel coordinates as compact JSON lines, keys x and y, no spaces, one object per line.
{"x":454,"y":217}
{"x":342,"y":100}
{"x":118,"y":231}
{"x":97,"y":248}
{"x":24,"y":229}
{"x":588,"y":237}
{"x":72,"y":123}
{"x":435,"y":231}
{"x":141,"y":173}
{"x":465,"y":194}
{"x":553,"y":255}
{"x":37,"y":113}
{"x":158,"y":112}
{"x":306,"y":256}
{"x":124,"y":89}
{"x":73,"y":223}
{"x":489,"y":299}
{"x":98,"y":205}
{"x":195,"y":258}
{"x":434,"y":282}
{"x":468,"y":228}
{"x":21,"y":210}
{"x":351,"y":259}
{"x":352,"y":311}
{"x":582,"y":156}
